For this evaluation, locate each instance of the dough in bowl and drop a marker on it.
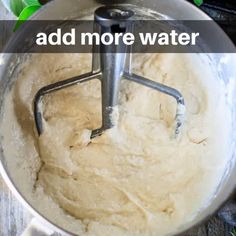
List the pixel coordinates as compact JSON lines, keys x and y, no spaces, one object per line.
{"x":136,"y":178}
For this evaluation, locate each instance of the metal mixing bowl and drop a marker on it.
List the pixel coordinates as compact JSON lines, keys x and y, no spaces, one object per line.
{"x":69,"y":9}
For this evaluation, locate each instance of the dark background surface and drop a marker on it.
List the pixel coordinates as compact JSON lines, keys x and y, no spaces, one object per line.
{"x":224,"y":12}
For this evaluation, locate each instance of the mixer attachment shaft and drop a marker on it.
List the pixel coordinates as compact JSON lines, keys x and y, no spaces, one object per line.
{"x":110,"y":64}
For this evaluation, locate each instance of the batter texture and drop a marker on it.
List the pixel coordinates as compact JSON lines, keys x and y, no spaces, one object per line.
{"x":135,"y":179}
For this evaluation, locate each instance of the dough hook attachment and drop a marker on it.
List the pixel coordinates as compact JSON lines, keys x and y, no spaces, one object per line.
{"x":110,"y":64}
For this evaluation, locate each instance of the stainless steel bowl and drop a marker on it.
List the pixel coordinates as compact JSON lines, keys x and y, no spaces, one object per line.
{"x":176,"y":9}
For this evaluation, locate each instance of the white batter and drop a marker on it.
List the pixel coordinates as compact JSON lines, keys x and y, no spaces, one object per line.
{"x":135,"y":179}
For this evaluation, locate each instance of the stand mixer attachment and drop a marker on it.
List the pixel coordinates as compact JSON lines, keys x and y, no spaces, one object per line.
{"x":110,"y":64}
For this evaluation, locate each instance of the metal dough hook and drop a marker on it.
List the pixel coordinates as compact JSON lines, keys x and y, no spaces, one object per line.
{"x":110,"y":65}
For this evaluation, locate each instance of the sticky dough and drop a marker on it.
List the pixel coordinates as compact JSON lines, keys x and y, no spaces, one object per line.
{"x":135,"y":179}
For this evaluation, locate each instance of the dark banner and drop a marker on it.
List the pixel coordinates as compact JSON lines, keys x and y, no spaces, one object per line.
{"x":138,"y":36}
